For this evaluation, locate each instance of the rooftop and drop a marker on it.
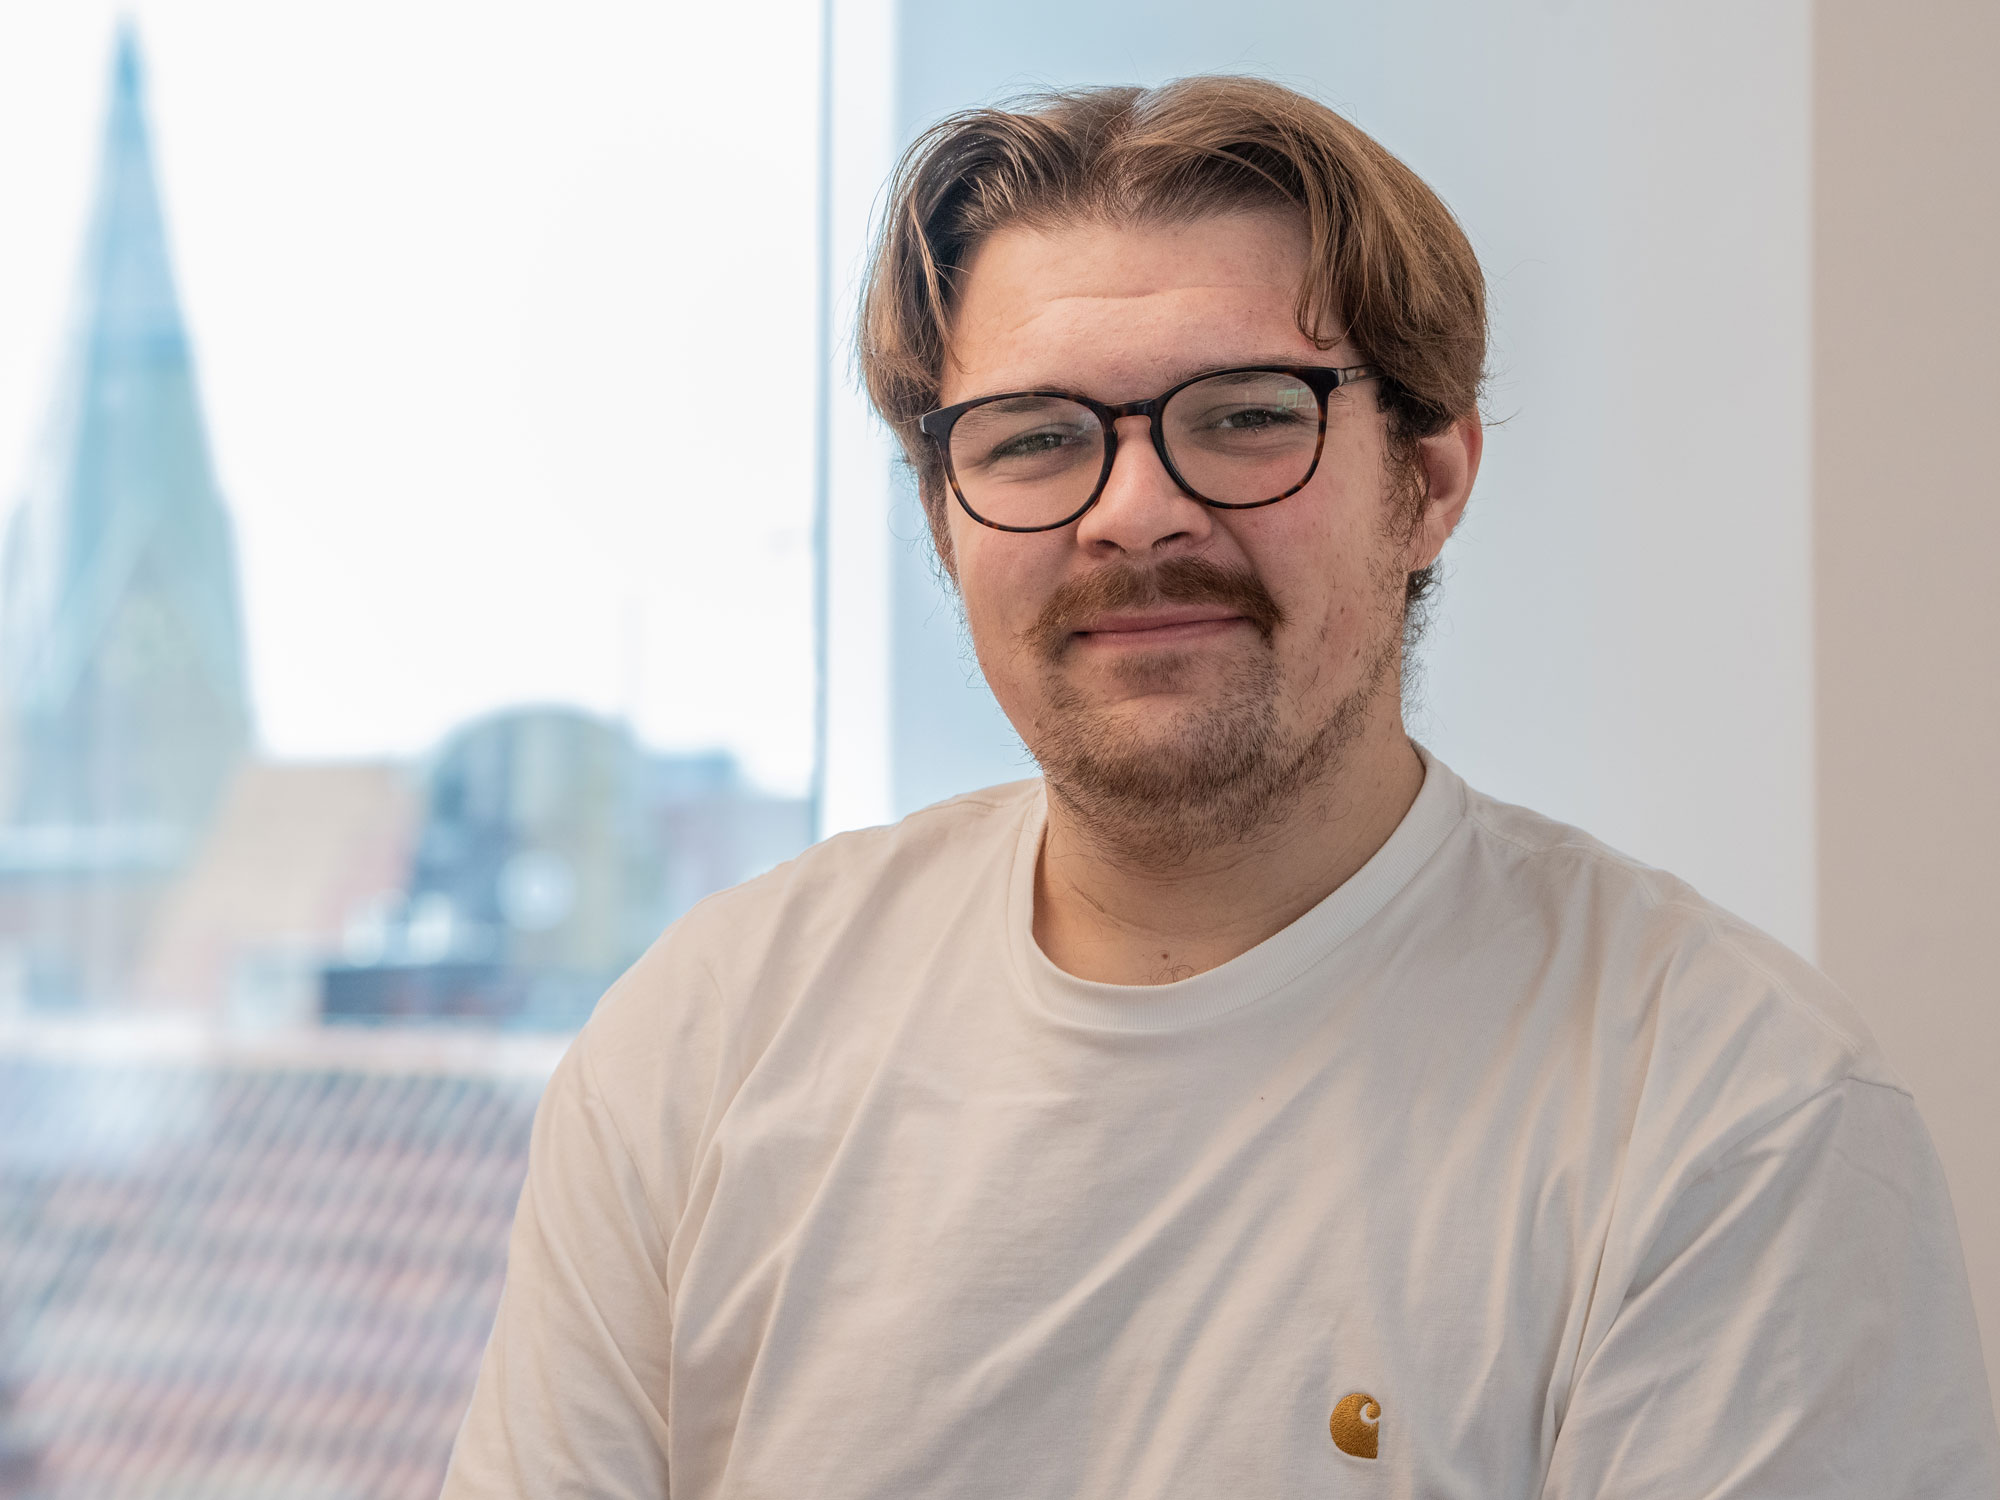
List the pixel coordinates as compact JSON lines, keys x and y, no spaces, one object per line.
{"x":241,"y":1266}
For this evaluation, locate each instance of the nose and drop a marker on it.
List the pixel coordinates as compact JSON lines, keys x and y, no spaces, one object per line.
{"x":1142,"y":511}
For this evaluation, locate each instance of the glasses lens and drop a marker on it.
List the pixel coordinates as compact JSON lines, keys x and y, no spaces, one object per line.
{"x":1027,"y":460}
{"x":1244,"y":437}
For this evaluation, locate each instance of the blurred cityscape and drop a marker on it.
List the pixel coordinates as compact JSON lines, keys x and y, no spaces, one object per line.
{"x":150,"y":860}
{"x":271,"y":1033}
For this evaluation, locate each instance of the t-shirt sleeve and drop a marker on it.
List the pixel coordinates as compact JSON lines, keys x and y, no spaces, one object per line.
{"x":1800,"y":1326}
{"x":572,"y":1395}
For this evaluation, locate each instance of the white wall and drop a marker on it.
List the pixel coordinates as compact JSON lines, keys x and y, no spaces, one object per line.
{"x":1625,"y":636}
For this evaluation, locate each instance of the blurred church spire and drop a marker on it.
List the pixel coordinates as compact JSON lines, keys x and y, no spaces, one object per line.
{"x":121,"y":643}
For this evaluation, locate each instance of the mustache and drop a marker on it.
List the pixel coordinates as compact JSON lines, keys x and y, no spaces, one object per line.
{"x":1179,"y":580}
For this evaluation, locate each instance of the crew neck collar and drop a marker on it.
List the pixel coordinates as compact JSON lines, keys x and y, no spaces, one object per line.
{"x":1273,"y":965}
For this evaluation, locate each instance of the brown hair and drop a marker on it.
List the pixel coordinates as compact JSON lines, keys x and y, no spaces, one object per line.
{"x":1386,"y":255}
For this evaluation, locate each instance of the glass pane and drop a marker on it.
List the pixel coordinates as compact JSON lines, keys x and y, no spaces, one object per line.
{"x":396,"y":633}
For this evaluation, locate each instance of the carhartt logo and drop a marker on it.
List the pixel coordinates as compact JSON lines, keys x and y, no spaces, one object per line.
{"x":1357,"y":1424}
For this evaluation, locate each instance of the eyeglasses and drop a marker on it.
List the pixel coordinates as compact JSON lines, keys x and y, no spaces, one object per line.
{"x":1234,"y":439}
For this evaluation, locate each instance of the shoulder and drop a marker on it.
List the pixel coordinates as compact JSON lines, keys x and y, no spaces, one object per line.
{"x":1691,"y":963}
{"x":849,"y":887}
{"x":1708,"y":1030}
{"x":703,"y":1002}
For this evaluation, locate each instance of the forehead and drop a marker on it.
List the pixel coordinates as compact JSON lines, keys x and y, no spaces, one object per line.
{"x":1121,"y":311}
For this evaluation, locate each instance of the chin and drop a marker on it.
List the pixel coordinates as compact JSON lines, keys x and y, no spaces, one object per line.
{"x":1175,"y":767}
{"x":1167,"y":774}
{"x":1188,"y":680}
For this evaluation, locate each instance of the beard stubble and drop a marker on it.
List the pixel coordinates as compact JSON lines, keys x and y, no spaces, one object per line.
{"x":1230,"y":768}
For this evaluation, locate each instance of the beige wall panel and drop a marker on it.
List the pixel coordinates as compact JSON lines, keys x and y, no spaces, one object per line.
{"x":1907,"y":521}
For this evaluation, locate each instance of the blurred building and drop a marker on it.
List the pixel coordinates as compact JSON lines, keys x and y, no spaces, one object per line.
{"x":123,"y":708}
{"x":295,"y":857}
{"x":553,"y":850}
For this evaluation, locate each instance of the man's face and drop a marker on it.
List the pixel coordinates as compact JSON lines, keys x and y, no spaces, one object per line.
{"x":1181,"y":671}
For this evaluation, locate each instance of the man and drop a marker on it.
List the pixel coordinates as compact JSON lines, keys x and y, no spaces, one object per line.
{"x":1246,"y":1107}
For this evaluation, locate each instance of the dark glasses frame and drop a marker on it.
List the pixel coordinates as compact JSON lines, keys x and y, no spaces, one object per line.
{"x":1322,"y":380}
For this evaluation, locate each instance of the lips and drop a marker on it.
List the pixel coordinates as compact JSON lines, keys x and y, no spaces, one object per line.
{"x":1185,"y":620}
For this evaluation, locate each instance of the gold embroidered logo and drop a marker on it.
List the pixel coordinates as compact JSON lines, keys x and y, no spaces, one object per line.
{"x":1357,"y":1424}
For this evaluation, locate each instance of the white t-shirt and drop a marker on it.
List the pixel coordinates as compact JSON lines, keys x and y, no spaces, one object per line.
{"x":1512,"y":1169}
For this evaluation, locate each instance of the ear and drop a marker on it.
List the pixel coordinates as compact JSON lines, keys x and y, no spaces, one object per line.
{"x":1448,"y":462}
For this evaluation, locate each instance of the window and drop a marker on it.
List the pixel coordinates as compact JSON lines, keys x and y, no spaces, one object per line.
{"x":406,"y":613}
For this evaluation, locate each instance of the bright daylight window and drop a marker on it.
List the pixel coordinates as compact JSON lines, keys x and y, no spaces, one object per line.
{"x":406,"y":434}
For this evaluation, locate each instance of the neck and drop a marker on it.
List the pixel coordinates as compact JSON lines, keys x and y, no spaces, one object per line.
{"x":1111,"y":910}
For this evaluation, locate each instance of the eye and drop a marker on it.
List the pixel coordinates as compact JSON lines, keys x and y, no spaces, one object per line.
{"x":1032,"y":444}
{"x":1256,"y":419}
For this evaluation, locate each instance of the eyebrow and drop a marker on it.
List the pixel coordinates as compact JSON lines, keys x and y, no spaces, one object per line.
{"x":1183,"y":374}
